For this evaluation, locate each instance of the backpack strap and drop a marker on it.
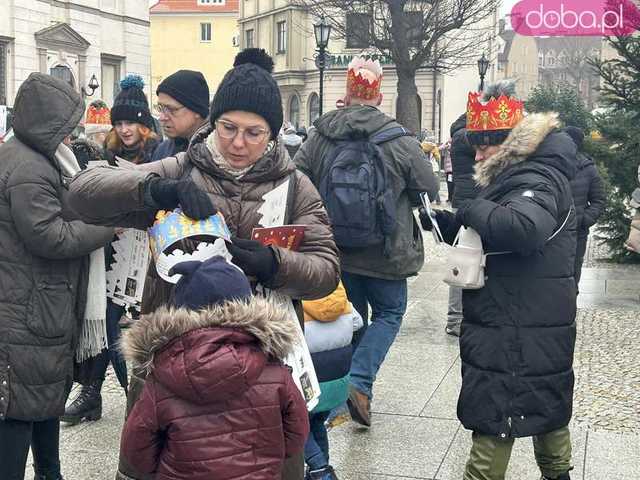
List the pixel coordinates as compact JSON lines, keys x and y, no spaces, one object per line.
{"x":389,"y":134}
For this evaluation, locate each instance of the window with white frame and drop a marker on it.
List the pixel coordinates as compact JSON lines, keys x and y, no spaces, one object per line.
{"x":205,"y":32}
{"x":282,"y":37}
{"x":248,"y":39}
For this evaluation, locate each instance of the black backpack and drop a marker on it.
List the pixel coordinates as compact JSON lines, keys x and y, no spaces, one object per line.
{"x":357,"y":194}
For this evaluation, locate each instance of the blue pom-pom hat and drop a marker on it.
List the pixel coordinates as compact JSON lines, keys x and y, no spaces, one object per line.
{"x":131,"y":103}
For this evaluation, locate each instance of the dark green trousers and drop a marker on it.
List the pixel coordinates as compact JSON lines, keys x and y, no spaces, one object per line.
{"x":490,"y":455}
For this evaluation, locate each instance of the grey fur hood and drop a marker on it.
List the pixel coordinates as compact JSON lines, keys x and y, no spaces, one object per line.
{"x":535,"y":138}
{"x":259,"y":321}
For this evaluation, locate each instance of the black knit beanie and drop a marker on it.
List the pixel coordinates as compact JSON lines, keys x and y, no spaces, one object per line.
{"x":250,"y":87}
{"x":189,"y":88}
{"x":576,"y":134}
{"x":488,"y":137}
{"x":131,"y":103}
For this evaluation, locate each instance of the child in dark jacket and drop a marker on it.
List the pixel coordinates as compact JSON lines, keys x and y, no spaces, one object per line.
{"x":218,"y":402}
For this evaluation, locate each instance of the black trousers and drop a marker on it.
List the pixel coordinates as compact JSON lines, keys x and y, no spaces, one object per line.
{"x":16,"y":436}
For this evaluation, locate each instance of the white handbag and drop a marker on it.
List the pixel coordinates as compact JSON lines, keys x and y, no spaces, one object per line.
{"x":466,"y":258}
{"x":466,"y":261}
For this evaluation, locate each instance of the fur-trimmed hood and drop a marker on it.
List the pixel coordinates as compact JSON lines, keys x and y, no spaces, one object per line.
{"x":536,"y":137}
{"x":211,"y":354}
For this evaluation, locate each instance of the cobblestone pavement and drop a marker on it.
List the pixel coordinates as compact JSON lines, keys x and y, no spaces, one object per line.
{"x":607,"y":394}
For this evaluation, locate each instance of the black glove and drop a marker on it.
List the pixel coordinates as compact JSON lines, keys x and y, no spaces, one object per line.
{"x":447,"y":221}
{"x":254,"y":259}
{"x":424,"y":219}
{"x":168,"y":194}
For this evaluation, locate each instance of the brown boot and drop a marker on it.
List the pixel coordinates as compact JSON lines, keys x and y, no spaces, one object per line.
{"x":359,"y":407}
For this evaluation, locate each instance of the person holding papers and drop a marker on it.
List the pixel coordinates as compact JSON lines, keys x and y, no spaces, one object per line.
{"x":233,"y":167}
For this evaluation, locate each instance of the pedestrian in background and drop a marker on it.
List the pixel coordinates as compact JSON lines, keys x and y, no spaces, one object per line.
{"x":49,"y":300}
{"x":329,"y":326}
{"x":97,"y":123}
{"x":183,"y":106}
{"x":218,"y":402}
{"x":132,"y":137}
{"x":375,"y":268}
{"x":464,"y":190}
{"x":291,"y":140}
{"x":589,"y":196}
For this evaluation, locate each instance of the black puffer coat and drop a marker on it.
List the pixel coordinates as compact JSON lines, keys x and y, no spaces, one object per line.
{"x":462,"y":161}
{"x":43,"y":259}
{"x":588,"y":194}
{"x":518,"y":332}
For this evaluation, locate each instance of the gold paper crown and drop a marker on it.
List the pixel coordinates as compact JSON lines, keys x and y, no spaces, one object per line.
{"x":364,"y":78}
{"x":502,"y":113}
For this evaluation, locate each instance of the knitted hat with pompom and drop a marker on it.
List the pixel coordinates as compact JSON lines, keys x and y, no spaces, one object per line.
{"x":131,"y":103}
{"x":250,"y":87}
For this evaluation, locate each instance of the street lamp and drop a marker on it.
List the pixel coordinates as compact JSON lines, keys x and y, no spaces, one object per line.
{"x":483,"y":66}
{"x":322,"y":31}
{"x":93,"y":85}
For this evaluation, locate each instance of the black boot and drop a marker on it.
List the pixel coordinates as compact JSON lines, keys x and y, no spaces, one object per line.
{"x":87,"y":405}
{"x":564,"y":476}
{"x":44,"y":477}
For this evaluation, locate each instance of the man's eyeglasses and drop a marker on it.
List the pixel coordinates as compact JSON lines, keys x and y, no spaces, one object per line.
{"x":166,"y":109}
{"x":252,"y":135}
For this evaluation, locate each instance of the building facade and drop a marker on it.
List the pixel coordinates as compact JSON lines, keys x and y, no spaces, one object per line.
{"x":517,"y":59}
{"x":197,"y":35}
{"x":565,"y":60}
{"x":286,"y":32}
{"x":73,"y":40}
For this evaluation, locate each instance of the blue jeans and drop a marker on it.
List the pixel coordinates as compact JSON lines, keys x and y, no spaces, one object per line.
{"x":316,"y":450}
{"x":388,"y":300}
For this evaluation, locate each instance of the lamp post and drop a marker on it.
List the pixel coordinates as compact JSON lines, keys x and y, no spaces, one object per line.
{"x":483,"y":66}
{"x":93,"y":85}
{"x":322,"y":31}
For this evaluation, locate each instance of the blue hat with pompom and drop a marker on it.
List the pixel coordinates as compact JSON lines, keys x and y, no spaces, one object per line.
{"x":131,"y":103}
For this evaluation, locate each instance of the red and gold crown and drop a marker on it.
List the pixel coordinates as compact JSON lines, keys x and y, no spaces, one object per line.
{"x":364,"y":77}
{"x":502,"y":113}
{"x":98,"y":113}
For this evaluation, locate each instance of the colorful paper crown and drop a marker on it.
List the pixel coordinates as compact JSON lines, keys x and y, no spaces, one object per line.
{"x":502,"y":113}
{"x":171,"y":227}
{"x":364,"y":78}
{"x":98,"y":113}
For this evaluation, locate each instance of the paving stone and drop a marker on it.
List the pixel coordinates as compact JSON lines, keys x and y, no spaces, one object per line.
{"x":394,"y":445}
{"x":612,"y":455}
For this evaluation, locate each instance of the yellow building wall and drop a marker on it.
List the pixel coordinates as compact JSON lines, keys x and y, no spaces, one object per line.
{"x":175,"y":45}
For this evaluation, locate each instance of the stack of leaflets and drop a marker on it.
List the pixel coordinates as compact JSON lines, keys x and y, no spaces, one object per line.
{"x":128,"y":270}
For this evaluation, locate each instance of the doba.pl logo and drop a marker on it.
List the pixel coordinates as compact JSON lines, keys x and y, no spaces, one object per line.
{"x":575,"y":17}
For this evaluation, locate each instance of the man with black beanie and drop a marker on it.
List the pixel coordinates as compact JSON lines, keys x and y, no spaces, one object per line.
{"x":183,"y":106}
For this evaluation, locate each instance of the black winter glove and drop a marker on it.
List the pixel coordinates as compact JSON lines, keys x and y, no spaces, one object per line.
{"x":254,"y":259}
{"x":447,"y":221}
{"x":168,"y":194}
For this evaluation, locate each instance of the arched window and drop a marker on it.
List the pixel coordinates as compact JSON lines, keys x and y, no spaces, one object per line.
{"x":294,"y":110}
{"x":314,"y":107}
{"x":63,"y":73}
